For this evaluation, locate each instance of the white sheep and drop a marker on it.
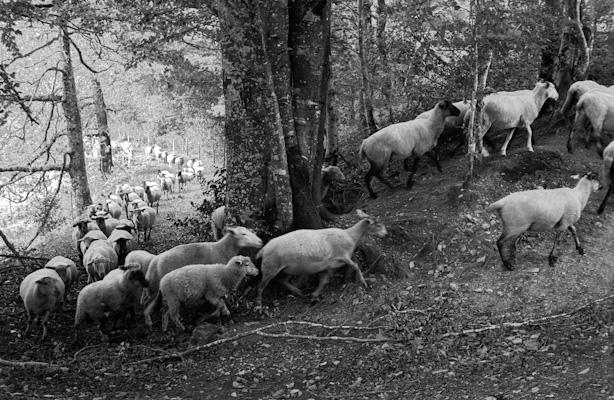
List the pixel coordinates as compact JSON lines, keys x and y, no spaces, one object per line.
{"x":511,"y":110}
{"x":178,"y":161}
{"x":156,"y":151}
{"x":183,"y":178}
{"x":86,"y":241}
{"x":190,"y":163}
{"x":140,"y":191}
{"x":119,"y":240}
{"x":217,"y":221}
{"x":42,"y":292}
{"x":140,"y":257}
{"x":199,"y":285}
{"x":117,"y":199}
{"x":107,"y":298}
{"x":607,"y":174}
{"x":112,"y":208}
{"x":313,"y":251}
{"x":66,"y":270}
{"x":595,"y":111}
{"x":400,"y":141}
{"x":170,"y":159}
{"x":542,"y":210}
{"x":575,"y":91}
{"x":163,"y":156}
{"x":80,"y":229}
{"x":105,"y":223}
{"x":154,"y":194}
{"x":138,"y":203}
{"x":235,"y":239}
{"x":166,"y":184}
{"x":144,"y":219}
{"x":99,"y":259}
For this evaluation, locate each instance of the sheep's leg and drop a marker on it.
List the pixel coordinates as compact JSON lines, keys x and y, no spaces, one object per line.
{"x":355,"y":267}
{"x":507,"y":141}
{"x":529,"y":138}
{"x":552,"y":258}
{"x":324,"y":278}
{"x":43,"y":323}
{"x":102,"y":328}
{"x":434,"y":155}
{"x":284,"y":279}
{"x":605,"y":199}
{"x":377,"y":172}
{"x":574,"y":234}
{"x":29,"y":324}
{"x":414,"y":168}
{"x":507,"y":250}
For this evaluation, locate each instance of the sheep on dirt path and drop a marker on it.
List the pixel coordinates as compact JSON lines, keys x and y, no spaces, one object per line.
{"x":400,"y":141}
{"x":542,"y":210}
{"x":594,"y":113}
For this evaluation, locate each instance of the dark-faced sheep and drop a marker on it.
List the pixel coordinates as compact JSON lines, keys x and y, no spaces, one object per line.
{"x":542,"y":210}
{"x":403,"y":140}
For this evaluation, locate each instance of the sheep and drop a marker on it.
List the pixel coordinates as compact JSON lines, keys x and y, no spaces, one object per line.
{"x":119,"y":240}
{"x":166,"y":184}
{"x":123,"y":188}
{"x":80,"y":228}
{"x":141,"y":257}
{"x":217,"y":221}
{"x":594,"y":109}
{"x":178,"y":161}
{"x":163,"y":156}
{"x":314,"y":251}
{"x":330,"y":174}
{"x":140,"y":191}
{"x":199,"y":172}
{"x":147,"y":150}
{"x":511,"y":110}
{"x":105,"y":223}
{"x":99,"y":259}
{"x":190,"y":162}
{"x":66,"y":270}
{"x":116,"y":198}
{"x":542,"y":210}
{"x":144,"y":219}
{"x":169,"y":159}
{"x":112,"y":208}
{"x":154,"y":194}
{"x":138,"y":203}
{"x":42,"y":292}
{"x":86,"y":241}
{"x":101,"y":300}
{"x":575,"y":91}
{"x":183,"y":178}
{"x":125,"y":225}
{"x":235,"y":239}
{"x":131,"y":302}
{"x":198,"y":285}
{"x":400,"y":141}
{"x":156,"y":151}
{"x":607,"y":173}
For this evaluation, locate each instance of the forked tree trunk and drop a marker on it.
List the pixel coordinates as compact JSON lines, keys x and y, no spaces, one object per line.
{"x":106,"y":158}
{"x":76,"y":169}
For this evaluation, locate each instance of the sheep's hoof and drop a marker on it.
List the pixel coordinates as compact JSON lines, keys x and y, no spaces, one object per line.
{"x":552,"y":259}
{"x":581,"y":251}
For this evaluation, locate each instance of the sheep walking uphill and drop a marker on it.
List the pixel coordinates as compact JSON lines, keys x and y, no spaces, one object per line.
{"x":542,"y":210}
{"x":235,"y":239}
{"x":595,"y":113}
{"x":200,"y":285}
{"x":607,"y":174}
{"x":313,"y":251}
{"x":507,"y":111}
{"x":577,"y":90}
{"x":401,"y":141}
{"x":42,"y":292}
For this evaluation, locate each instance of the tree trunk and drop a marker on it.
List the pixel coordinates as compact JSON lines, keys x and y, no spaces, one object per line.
{"x":332,"y":130}
{"x":76,"y":169}
{"x":583,"y":35}
{"x":106,"y":158}
{"x":382,"y":15}
{"x":364,"y":18}
{"x":552,"y":33}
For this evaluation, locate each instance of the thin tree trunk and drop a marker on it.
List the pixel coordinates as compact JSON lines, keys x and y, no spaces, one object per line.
{"x":584,"y":54}
{"x":382,"y":16}
{"x":76,"y":169}
{"x":106,"y":158}
{"x":552,"y":32}
{"x":364,"y":10}
{"x":332,"y":130}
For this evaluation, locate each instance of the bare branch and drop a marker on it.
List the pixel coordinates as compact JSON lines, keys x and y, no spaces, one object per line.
{"x":81,"y":56}
{"x":45,"y":168}
{"x":44,"y":98}
{"x":49,"y":43}
{"x":11,"y":247}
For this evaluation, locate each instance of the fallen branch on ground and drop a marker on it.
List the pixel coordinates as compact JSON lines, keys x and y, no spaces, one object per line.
{"x":30,"y":364}
{"x":534,"y":321}
{"x":260,"y":332}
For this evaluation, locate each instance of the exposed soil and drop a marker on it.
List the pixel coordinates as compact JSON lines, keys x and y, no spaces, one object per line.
{"x":436,"y":274}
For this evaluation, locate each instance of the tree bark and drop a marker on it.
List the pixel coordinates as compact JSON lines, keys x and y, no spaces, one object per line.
{"x":583,"y":35}
{"x":332,"y":129}
{"x":364,"y":18}
{"x":382,"y":16}
{"x":106,"y":158}
{"x":552,"y":32}
{"x":76,"y":169}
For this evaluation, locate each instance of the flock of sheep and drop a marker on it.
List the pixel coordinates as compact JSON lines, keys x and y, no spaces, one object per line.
{"x":202,"y":274}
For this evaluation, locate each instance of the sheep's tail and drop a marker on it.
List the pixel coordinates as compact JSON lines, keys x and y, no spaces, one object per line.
{"x":572,"y":96}
{"x":496,"y":206}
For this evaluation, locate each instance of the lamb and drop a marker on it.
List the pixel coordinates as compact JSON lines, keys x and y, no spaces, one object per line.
{"x":80,"y":229}
{"x":199,"y":285}
{"x":156,"y":151}
{"x":154,"y":194}
{"x":138,"y":203}
{"x":42,"y":292}
{"x":542,"y":210}
{"x":400,"y":141}
{"x":99,"y":259}
{"x":105,"y":223}
{"x":595,"y":110}
{"x":314,"y":251}
{"x":99,"y":301}
{"x":511,"y":110}
{"x":163,"y":155}
{"x":66,"y":270}
{"x":144,"y":219}
{"x":218,"y":220}
{"x":607,"y":173}
{"x":235,"y":239}
{"x":119,"y":240}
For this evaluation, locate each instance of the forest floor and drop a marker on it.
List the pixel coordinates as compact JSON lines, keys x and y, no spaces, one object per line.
{"x":434,"y":323}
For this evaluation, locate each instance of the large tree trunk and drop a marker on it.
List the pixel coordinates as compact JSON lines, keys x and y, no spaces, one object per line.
{"x":76,"y":169}
{"x":382,"y":15}
{"x":552,"y":32}
{"x":106,"y":158}
{"x":364,"y":38}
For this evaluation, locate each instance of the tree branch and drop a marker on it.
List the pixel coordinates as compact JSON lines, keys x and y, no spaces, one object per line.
{"x":11,"y":247}
{"x":31,"y":364}
{"x":81,"y":57}
{"x":46,"y":168}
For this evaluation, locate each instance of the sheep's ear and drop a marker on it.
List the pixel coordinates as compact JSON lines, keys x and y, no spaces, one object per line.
{"x":230,"y":229}
{"x":362,"y":214}
{"x":576,"y":176}
{"x":123,"y":268}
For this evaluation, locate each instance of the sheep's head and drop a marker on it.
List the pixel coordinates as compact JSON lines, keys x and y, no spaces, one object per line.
{"x":448,"y":108}
{"x":333,"y":172}
{"x":376,"y":228}
{"x":549,"y":89}
{"x":47,"y":286}
{"x":243,"y":236}
{"x":245,"y":264}
{"x":593,"y":180}
{"x":134,"y":274}
{"x":82,"y":224}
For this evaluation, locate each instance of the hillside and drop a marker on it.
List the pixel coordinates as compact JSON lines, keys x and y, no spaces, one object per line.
{"x":436,"y":274}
